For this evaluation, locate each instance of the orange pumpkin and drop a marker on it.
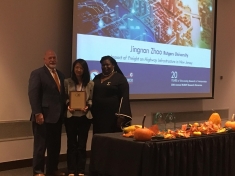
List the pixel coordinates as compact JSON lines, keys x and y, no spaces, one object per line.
{"x":143,"y":134}
{"x":230,"y":124}
{"x":215,"y":118}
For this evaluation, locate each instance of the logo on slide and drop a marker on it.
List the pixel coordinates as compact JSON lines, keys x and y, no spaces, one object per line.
{"x":93,"y":73}
{"x":130,"y":78}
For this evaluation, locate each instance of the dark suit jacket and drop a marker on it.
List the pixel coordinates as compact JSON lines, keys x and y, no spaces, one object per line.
{"x":44,"y":95}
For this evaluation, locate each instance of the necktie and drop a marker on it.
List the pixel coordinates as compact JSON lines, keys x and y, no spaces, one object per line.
{"x":56,"y":79}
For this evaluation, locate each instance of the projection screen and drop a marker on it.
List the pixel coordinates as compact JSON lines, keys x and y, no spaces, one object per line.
{"x":165,"y":48}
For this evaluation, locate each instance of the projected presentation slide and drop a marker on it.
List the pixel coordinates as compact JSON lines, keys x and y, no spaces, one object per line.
{"x":163,"y":47}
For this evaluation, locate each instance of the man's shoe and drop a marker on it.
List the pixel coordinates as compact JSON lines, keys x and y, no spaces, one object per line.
{"x":81,"y":175}
{"x":39,"y":174}
{"x":56,"y":173}
{"x":71,"y":175}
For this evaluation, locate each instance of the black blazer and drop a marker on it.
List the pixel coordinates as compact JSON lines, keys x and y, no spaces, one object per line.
{"x":44,"y":95}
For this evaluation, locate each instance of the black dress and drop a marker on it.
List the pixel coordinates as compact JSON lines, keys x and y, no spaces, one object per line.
{"x":106,"y":102}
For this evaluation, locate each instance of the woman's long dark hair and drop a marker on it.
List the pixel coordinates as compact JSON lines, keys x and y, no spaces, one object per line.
{"x":113,"y":61}
{"x":85,"y":75}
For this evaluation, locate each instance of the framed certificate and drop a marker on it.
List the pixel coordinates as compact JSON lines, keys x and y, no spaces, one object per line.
{"x":77,"y":100}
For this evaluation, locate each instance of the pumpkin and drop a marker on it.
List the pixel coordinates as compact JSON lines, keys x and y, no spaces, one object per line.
{"x":215,"y":118}
{"x":230,"y":123}
{"x":143,"y":134}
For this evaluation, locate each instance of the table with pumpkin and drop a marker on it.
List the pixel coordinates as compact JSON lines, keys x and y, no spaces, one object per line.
{"x":182,"y":152}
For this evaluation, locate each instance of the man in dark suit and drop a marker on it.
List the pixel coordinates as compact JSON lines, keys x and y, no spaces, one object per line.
{"x":47,"y":99}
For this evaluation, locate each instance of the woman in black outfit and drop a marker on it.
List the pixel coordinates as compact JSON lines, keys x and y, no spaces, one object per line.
{"x":110,"y":103}
{"x":78,"y":122}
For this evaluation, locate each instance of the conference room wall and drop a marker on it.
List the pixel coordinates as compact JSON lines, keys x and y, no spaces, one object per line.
{"x":28,"y":28}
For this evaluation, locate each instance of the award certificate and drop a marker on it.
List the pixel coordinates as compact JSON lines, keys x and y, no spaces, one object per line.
{"x":77,"y":100}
